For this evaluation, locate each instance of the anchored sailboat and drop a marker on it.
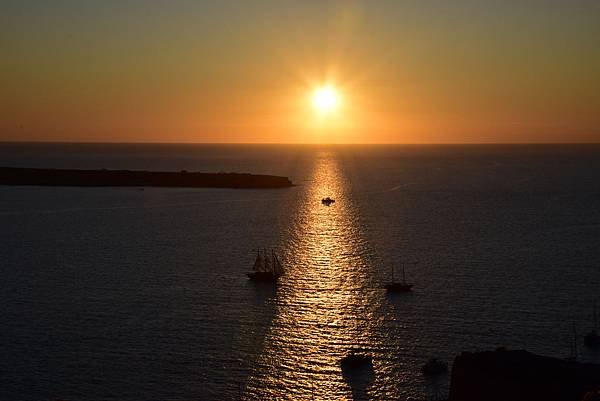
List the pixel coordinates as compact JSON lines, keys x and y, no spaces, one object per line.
{"x":402,"y":286}
{"x":266,"y":267}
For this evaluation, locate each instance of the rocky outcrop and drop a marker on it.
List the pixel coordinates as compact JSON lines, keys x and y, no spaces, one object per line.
{"x":503,"y":375}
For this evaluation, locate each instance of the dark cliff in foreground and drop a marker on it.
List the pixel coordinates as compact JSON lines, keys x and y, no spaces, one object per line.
{"x":119,"y":178}
{"x":521,"y":376}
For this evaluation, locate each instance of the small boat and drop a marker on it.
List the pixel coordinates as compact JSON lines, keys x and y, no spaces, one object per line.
{"x":434,"y":367}
{"x":592,"y":339}
{"x":402,"y":286}
{"x":327,"y":201}
{"x":266,"y":268}
{"x":355,"y":360}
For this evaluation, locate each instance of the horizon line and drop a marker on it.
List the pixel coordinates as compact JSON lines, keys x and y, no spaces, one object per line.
{"x":305,"y":143}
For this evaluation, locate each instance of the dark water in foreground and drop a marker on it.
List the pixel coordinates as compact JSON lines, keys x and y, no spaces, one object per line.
{"x":122,"y":294}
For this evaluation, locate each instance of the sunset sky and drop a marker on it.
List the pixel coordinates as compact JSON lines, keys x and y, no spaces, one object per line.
{"x":246,"y":71}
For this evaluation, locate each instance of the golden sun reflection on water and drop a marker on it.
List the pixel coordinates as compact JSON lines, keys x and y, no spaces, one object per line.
{"x":326,"y":303}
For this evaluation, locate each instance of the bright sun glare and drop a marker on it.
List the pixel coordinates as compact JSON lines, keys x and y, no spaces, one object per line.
{"x":325,"y":99}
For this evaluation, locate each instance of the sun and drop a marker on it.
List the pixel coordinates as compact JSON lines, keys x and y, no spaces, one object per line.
{"x":325,"y":99}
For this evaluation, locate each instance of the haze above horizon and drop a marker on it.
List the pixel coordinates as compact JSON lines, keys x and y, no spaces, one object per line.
{"x":249,"y":71}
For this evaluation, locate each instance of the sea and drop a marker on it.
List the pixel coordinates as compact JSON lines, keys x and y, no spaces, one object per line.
{"x":126,"y":293}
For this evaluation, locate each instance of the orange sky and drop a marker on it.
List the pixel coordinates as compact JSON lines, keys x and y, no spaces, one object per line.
{"x":408,"y":72}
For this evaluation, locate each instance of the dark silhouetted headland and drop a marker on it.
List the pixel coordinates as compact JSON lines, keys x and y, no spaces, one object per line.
{"x":129,"y":178}
{"x":521,"y":376}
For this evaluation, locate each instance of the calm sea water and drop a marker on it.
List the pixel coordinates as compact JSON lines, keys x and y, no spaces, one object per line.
{"x":123,"y":294}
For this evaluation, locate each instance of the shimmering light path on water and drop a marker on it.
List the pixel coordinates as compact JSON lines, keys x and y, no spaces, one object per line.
{"x":327,"y":304}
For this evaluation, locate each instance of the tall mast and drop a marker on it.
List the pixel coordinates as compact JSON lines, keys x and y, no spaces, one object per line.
{"x":258,"y":262}
{"x":278,"y":266}
{"x":268,"y":262}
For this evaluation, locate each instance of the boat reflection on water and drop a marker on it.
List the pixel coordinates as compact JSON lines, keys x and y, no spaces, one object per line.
{"x":326,"y":305}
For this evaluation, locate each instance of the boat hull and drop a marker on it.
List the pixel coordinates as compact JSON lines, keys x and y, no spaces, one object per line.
{"x":356,"y":361}
{"x":399,"y":287}
{"x":267,"y":277}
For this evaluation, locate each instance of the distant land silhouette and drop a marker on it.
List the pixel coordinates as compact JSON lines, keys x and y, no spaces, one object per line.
{"x":120,"y":178}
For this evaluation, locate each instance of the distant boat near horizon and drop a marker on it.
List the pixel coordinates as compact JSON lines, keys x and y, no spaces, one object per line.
{"x":327,"y":201}
{"x":266,"y":268}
